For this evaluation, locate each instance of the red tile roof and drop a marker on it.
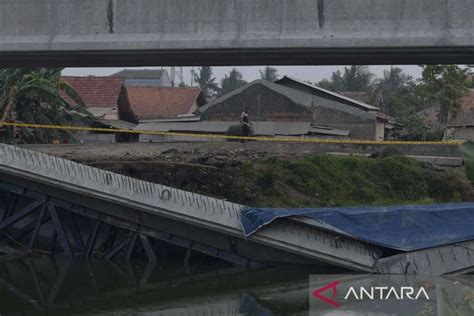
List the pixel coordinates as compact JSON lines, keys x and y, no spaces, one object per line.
{"x":157,"y":103}
{"x":97,"y":92}
{"x":466,"y":116}
{"x":468,"y":102}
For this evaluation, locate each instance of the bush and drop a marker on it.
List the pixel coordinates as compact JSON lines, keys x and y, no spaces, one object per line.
{"x":326,"y":180}
{"x":391,"y":152}
{"x":236,"y":130}
{"x":354,"y":180}
{"x":266,"y":180}
{"x":403,"y":177}
{"x":446,"y":187}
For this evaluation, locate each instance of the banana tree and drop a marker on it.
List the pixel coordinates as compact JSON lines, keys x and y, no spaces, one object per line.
{"x":34,"y":96}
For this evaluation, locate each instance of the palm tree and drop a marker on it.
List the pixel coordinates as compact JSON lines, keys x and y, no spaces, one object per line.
{"x":269,"y":74}
{"x":385,"y":92}
{"x":354,"y":78}
{"x":357,"y":78}
{"x":206,"y":80}
{"x":231,"y":82}
{"x":34,"y":96}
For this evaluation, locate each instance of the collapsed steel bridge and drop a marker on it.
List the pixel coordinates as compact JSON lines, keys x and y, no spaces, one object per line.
{"x":60,"y":206}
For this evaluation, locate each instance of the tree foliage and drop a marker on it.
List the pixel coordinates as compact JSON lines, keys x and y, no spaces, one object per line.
{"x":206,"y":80}
{"x":354,"y":78}
{"x":269,"y":73}
{"x":399,"y":95}
{"x":396,"y":94}
{"x":232,"y":81}
{"x":445,"y":86}
{"x":34,"y":96}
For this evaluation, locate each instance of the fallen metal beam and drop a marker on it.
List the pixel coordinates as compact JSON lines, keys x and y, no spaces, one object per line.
{"x":148,"y":248}
{"x":52,"y":241}
{"x":36,"y":231}
{"x":10,"y":206}
{"x":28,"y":228}
{"x":121,"y":244}
{"x":218,"y":209}
{"x":144,"y":231}
{"x":61,"y":233}
{"x":79,"y":243}
{"x":131,"y":246}
{"x":30,"y":208}
{"x":92,"y":238}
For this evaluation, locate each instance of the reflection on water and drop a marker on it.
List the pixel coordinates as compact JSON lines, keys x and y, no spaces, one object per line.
{"x":47,"y":286}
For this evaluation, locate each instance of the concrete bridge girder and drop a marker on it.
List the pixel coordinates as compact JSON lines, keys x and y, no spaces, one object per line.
{"x":235,"y":32}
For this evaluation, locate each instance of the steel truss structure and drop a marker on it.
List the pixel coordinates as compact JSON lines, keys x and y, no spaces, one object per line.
{"x":102,"y":235}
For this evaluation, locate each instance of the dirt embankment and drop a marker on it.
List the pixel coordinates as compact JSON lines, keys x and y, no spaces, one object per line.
{"x":283,"y":179}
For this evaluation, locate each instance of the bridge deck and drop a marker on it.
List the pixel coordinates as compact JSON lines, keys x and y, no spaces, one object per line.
{"x":143,"y":204}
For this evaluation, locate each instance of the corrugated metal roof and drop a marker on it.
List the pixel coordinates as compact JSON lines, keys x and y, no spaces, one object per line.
{"x":357,"y":103}
{"x":100,"y":112}
{"x":281,"y":128}
{"x":302,"y":98}
{"x":119,"y":124}
{"x":328,"y":131}
{"x":221,"y":127}
{"x":174,"y":119}
{"x":299,"y":97}
{"x":360,"y":96}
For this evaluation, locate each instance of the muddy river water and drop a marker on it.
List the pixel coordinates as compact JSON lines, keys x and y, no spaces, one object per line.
{"x":60,"y":286}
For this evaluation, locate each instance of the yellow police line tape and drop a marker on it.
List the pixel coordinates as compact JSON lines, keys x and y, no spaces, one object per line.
{"x":213,"y":136}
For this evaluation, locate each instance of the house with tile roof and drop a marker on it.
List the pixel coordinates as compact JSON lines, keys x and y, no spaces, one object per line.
{"x":461,"y":126}
{"x":105,"y":97}
{"x":152,"y":103}
{"x":107,"y":100}
{"x":158,"y":107}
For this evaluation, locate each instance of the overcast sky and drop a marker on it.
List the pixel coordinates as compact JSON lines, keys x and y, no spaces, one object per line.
{"x":250,"y":73}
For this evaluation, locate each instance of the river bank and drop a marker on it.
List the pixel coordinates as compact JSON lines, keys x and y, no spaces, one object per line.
{"x":277,"y":177}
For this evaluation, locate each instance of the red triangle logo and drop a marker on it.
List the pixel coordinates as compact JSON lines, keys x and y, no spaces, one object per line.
{"x":332,"y":286}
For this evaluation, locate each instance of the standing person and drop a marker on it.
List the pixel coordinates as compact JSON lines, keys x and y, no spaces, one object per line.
{"x":245,"y":123}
